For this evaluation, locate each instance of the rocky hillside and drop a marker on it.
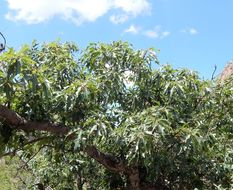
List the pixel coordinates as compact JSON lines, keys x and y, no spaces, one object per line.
{"x":227,"y":71}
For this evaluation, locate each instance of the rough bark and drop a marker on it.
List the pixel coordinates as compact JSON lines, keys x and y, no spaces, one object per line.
{"x":134,"y":179}
{"x":17,"y":122}
{"x":10,"y":117}
{"x":109,"y":161}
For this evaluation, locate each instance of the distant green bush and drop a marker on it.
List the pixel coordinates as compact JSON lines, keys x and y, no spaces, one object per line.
{"x":11,"y":176}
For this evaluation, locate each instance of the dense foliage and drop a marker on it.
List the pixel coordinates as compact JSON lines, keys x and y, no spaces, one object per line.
{"x":133,"y":124}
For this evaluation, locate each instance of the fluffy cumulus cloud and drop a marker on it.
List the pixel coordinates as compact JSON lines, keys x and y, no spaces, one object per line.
{"x":132,"y":29}
{"x":191,"y":31}
{"x":119,"y":18}
{"x":134,"y":7}
{"x":156,"y":32}
{"x":77,"y":11}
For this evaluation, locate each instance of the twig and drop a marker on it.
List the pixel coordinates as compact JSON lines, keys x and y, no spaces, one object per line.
{"x":215,"y":68}
{"x":3,"y":46}
{"x":18,"y":149}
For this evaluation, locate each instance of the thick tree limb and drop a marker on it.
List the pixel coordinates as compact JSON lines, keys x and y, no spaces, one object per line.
{"x":108,"y":161}
{"x":17,"y":122}
{"x":111,"y":163}
{"x":44,"y":126}
{"x":10,"y":117}
{"x":134,"y":179}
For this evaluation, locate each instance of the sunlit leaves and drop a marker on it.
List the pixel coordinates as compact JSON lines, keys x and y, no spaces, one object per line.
{"x":168,"y":122}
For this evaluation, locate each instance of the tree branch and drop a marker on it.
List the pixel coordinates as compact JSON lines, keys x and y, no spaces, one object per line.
{"x":109,"y":161}
{"x":10,"y":117}
{"x":113,"y":164}
{"x":12,"y":153}
{"x":44,"y":126}
{"x":17,"y":122}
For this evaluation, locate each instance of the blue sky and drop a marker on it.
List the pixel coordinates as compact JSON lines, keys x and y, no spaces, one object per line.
{"x":196,"y":34}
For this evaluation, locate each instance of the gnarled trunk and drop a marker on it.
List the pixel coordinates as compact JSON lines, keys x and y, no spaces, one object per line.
{"x":133,"y":179}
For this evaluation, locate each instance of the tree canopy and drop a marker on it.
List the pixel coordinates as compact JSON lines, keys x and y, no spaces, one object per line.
{"x":111,"y":117}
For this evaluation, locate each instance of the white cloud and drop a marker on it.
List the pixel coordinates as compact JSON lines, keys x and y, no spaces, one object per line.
{"x":77,"y":11}
{"x":119,"y":19}
{"x":151,"y":34}
{"x":132,"y":29}
{"x":134,"y":7}
{"x":165,"y":34}
{"x":156,"y":32}
{"x":191,"y":31}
